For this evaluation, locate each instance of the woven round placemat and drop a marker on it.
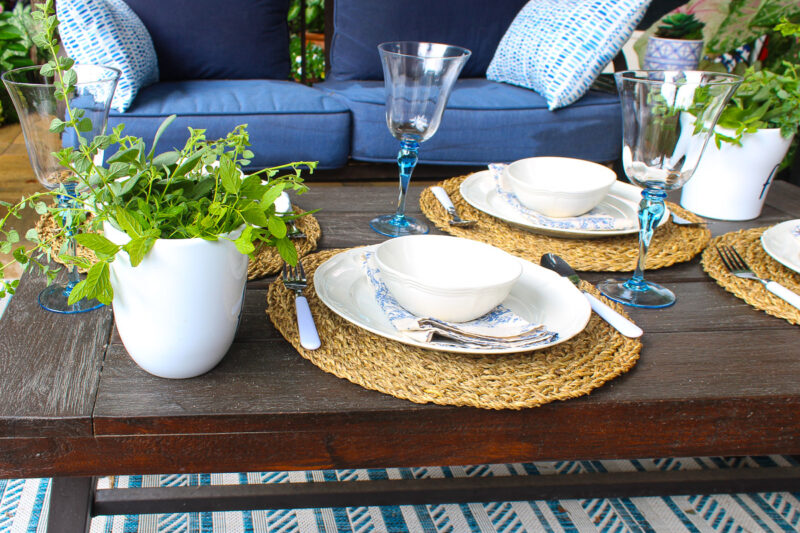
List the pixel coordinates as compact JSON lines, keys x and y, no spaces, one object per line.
{"x":511,"y":381}
{"x":748,"y":244}
{"x":266,"y":260}
{"x":671,"y":243}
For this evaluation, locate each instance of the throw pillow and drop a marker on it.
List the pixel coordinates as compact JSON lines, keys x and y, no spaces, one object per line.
{"x":108,"y":32}
{"x":558,"y":47}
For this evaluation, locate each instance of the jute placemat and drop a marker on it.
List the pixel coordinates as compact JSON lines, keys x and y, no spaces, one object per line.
{"x":511,"y":381}
{"x":748,"y":244}
{"x":266,"y":260}
{"x":671,"y":243}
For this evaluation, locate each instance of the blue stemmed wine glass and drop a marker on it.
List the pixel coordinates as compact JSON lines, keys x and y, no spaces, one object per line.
{"x":418,"y":79}
{"x":667,"y":120}
{"x":36,"y":102}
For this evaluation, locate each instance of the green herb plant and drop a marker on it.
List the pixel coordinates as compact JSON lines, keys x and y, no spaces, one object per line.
{"x":769,"y":96}
{"x":198,"y":191}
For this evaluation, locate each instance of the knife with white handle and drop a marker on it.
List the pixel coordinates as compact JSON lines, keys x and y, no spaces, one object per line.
{"x":604,"y":311}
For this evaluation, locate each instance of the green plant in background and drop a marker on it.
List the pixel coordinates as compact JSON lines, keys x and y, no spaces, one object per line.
{"x":680,"y":26}
{"x":315,"y":55}
{"x":15,"y":50}
{"x":196,"y":192}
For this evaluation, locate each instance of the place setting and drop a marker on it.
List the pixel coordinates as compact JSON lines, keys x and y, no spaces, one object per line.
{"x":454,"y":321}
{"x":602,"y":237}
{"x":760,"y":266}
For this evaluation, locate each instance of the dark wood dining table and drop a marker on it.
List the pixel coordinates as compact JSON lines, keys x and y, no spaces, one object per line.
{"x":715,"y":377}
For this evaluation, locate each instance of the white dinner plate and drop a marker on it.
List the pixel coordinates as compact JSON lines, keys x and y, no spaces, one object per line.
{"x":539,"y":296}
{"x":782,"y":245}
{"x":622,"y":201}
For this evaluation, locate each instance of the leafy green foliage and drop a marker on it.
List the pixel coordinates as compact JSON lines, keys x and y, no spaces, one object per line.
{"x":680,"y":26}
{"x":198,"y":191}
{"x":15,"y":51}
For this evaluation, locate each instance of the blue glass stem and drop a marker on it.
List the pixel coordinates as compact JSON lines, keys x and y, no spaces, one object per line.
{"x":66,"y":202}
{"x":651,"y":211}
{"x":406,"y":160}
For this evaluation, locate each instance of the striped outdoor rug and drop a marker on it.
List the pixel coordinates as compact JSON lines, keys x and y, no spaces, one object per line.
{"x":24,"y":504}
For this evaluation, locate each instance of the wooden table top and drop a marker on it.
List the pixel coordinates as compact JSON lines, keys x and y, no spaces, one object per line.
{"x":715,"y":377}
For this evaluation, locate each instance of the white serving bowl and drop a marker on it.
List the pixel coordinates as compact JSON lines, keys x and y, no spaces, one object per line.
{"x":559,"y":186}
{"x":448,"y":278}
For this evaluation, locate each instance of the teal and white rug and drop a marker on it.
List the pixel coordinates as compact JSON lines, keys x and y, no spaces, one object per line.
{"x":24,"y":504}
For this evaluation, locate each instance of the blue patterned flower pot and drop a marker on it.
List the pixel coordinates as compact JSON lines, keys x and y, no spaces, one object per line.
{"x":672,"y":54}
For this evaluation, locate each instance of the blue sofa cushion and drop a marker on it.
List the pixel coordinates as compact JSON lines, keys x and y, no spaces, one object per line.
{"x":209,"y":39}
{"x":287,"y":121}
{"x":486,"y":122}
{"x":361,"y":25}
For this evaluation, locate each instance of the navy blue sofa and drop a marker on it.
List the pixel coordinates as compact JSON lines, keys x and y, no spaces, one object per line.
{"x":224,"y":64}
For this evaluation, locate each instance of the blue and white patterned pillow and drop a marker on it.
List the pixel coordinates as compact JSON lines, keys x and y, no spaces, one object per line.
{"x":558,"y":47}
{"x":108,"y":32}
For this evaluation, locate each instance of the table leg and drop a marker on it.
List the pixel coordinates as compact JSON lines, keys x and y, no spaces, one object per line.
{"x":71,"y":501}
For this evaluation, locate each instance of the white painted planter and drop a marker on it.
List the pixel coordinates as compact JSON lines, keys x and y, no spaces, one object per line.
{"x":178,"y":310}
{"x":732,"y":182}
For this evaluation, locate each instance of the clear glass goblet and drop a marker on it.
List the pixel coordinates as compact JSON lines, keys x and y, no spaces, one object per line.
{"x":36,"y":104}
{"x":418,"y":79}
{"x":667,"y":120}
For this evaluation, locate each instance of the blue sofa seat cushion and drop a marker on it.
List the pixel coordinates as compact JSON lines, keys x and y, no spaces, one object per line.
{"x":361,"y":25}
{"x":486,"y":122}
{"x":287,"y":121}
{"x":209,"y":39}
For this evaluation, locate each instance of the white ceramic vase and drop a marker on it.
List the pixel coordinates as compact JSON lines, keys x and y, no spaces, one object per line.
{"x":178,"y":310}
{"x":732,"y":182}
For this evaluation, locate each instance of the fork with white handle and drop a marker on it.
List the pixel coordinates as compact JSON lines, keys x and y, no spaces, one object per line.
{"x":294,"y":279}
{"x":739,"y":268}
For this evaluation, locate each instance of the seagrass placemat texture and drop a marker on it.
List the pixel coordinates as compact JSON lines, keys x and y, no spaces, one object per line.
{"x":748,"y":244}
{"x":266,"y":260}
{"x":671,"y":243}
{"x":509,"y":381}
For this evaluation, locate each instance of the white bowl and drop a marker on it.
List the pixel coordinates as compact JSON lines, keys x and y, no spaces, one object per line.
{"x":559,"y":186}
{"x":447,"y":278}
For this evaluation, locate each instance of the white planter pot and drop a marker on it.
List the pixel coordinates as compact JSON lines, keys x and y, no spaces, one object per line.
{"x":731,"y":182}
{"x":178,"y":310}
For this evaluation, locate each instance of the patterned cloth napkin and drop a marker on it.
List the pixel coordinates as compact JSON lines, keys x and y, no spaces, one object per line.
{"x":591,"y":221}
{"x":500,"y":328}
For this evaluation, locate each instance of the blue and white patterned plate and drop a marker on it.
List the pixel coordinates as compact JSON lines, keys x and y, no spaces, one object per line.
{"x":479,"y":190}
{"x":540,"y":296}
{"x":782,"y":243}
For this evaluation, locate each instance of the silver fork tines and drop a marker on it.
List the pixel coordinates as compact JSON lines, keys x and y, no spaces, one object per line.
{"x":294,"y":279}
{"x":739,"y":268}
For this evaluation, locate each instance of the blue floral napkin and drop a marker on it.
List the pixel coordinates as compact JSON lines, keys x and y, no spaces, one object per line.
{"x":591,"y":221}
{"x":501,"y":328}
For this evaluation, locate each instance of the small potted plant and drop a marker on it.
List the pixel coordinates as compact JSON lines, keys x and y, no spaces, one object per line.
{"x":753,"y":135}
{"x":676,"y":44}
{"x":171,"y":232}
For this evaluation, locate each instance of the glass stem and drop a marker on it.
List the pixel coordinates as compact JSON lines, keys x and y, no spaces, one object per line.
{"x":651,"y":211}
{"x":406,"y":160}
{"x":66,"y":202}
